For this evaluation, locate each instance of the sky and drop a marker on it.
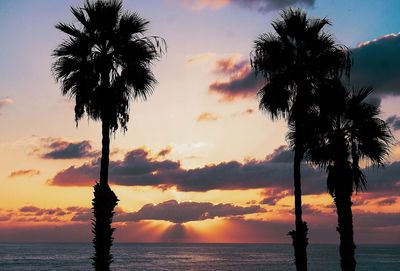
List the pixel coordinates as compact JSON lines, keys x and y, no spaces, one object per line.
{"x":199,"y":162}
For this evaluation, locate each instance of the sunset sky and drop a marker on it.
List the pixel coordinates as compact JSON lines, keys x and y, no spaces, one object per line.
{"x":199,"y":162}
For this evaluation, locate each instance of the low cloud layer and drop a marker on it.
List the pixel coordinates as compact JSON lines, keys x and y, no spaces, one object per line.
{"x":171,"y":211}
{"x":274,"y":172}
{"x":35,"y":224}
{"x":61,"y":149}
{"x":34,"y":214}
{"x":139,"y":169}
{"x":372,"y":228}
{"x":183,"y":212}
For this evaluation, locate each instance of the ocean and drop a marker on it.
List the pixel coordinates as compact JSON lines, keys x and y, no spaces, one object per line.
{"x":193,"y":257}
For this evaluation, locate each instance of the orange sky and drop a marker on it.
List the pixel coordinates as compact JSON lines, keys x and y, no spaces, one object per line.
{"x":213,"y":165}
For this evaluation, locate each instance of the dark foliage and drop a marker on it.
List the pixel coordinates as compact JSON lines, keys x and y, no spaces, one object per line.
{"x":348,"y":130}
{"x":104,"y":64}
{"x":296,"y":61}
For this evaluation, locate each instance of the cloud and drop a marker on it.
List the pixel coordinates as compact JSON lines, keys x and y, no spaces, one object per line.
{"x":275,"y":171}
{"x":6,"y":217}
{"x":29,"y":209}
{"x":272,"y":196}
{"x":308,"y":209}
{"x":183,"y":212}
{"x":24,"y":172}
{"x":83,"y":216}
{"x":60,"y":149}
{"x":377,"y":63}
{"x":244,"y":113}
{"x":248,"y":111}
{"x":394,"y":122}
{"x":384,"y":179}
{"x":269,"y":5}
{"x":164,"y":152}
{"x":229,"y":65}
{"x":77,"y":209}
{"x":138,"y":169}
{"x":201,"y":58}
{"x":207,"y":116}
{"x":5,"y":101}
{"x":34,"y":214}
{"x":281,"y":155}
{"x":239,"y":79}
{"x":259,"y":5}
{"x":387,"y":202}
{"x":36,"y":211}
{"x":35,"y":224}
{"x":202,"y":4}
{"x":171,"y":211}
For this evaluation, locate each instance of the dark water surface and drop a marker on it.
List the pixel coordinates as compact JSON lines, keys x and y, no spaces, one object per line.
{"x":194,"y":257}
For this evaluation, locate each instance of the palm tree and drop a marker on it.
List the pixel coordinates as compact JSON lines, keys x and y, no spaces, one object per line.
{"x":349,"y":130}
{"x":105,"y":63}
{"x":294,"y":61}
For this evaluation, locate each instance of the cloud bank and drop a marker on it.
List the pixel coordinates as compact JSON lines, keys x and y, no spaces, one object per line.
{"x":259,"y":5}
{"x":273,"y":172}
{"x":138,"y":169}
{"x":183,"y":212}
{"x":377,"y":63}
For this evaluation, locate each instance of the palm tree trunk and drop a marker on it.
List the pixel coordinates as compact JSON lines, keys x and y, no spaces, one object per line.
{"x":345,"y":228}
{"x":299,"y":236}
{"x":103,"y":209}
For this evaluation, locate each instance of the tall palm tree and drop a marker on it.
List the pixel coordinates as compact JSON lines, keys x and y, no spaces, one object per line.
{"x":349,"y":130}
{"x":293,"y":61}
{"x":104,"y":63}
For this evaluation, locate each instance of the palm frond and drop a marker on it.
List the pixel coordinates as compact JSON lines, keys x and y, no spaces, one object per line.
{"x":106,"y":61}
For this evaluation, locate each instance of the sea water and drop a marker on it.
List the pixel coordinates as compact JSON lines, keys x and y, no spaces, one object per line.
{"x":193,"y":257}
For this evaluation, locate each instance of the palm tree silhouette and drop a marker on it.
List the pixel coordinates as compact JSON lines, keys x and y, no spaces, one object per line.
{"x":105,"y":63}
{"x":349,"y":129}
{"x":294,"y":61}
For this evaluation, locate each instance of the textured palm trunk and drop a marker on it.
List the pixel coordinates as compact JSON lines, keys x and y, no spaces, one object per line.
{"x":345,"y":228}
{"x":104,"y":203}
{"x":299,"y":236}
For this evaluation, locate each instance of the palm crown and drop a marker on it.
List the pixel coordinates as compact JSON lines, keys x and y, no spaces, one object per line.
{"x":106,"y":61}
{"x":350,"y":130}
{"x":293,"y":61}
